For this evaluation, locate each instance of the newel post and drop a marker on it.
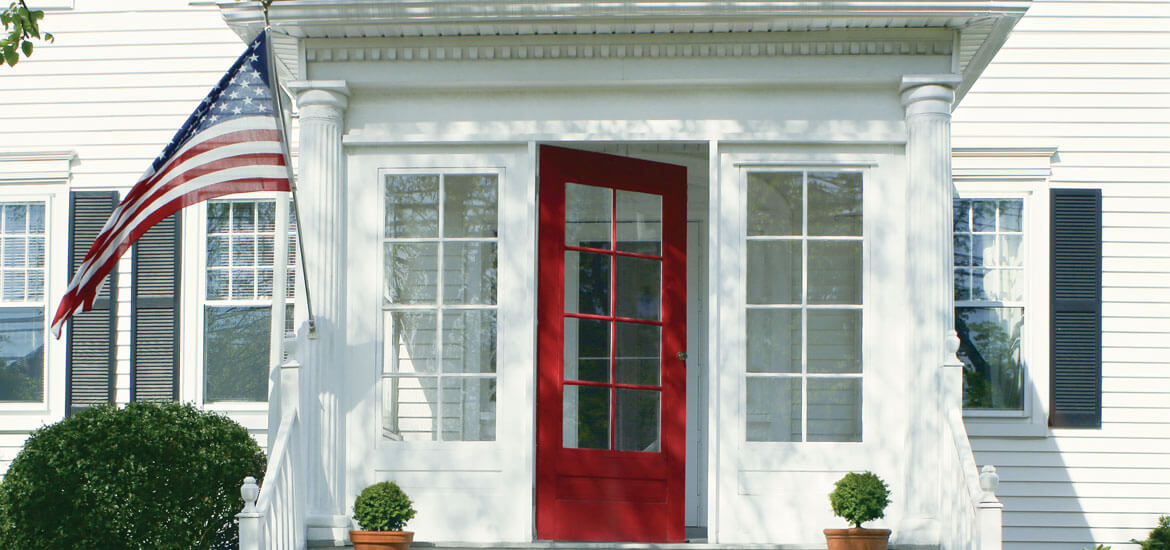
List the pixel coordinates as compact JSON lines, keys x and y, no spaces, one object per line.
{"x":250,"y":518}
{"x":990,"y":511}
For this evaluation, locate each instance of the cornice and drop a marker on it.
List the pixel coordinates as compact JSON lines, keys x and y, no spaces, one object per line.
{"x":36,"y":167}
{"x":625,"y":47}
{"x":1002,"y":163}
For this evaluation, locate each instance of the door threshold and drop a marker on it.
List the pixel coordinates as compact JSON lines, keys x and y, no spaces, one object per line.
{"x":695,"y":544}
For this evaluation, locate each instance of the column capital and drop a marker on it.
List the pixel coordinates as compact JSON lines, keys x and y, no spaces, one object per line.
{"x":929,"y":93}
{"x":325,"y":93}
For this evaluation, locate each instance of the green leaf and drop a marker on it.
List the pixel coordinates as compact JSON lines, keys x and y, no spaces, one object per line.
{"x":49,"y":36}
{"x":10,"y":55}
{"x":27,"y":46}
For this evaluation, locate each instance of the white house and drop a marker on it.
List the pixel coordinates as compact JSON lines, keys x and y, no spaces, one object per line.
{"x":631,"y":271}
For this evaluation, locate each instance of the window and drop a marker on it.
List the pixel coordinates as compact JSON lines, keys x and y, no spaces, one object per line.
{"x":22,"y":302}
{"x":990,"y":280}
{"x":439,"y":307}
{"x":804,"y":306}
{"x":237,"y":311}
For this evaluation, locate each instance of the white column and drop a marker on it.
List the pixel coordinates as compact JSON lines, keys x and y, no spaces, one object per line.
{"x":321,"y":203}
{"x":927,"y":100}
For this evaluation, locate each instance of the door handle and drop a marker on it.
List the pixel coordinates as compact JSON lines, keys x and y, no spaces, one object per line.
{"x":682,"y":356}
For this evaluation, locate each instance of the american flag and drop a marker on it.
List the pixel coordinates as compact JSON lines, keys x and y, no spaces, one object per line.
{"x":230,"y":144}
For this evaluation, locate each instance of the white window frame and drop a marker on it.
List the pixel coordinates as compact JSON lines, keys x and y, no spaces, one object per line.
{"x":1034,"y":336}
{"x":382,"y":309}
{"x":194,"y":291}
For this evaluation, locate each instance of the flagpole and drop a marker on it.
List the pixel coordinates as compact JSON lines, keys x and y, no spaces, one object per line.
{"x":273,"y":78}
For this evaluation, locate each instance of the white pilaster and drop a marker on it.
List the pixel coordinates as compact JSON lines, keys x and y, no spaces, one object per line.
{"x":927,"y":100}
{"x":321,"y":202}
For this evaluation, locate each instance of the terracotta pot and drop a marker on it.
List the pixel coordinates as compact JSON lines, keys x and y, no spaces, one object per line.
{"x":857,"y":539}
{"x":381,"y":540}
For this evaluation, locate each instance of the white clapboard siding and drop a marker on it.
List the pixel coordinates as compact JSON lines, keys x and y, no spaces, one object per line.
{"x":114,"y":87}
{"x":1092,"y":79}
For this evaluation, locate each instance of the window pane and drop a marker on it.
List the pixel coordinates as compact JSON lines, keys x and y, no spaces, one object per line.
{"x":773,"y":340}
{"x":639,"y":288}
{"x":22,"y":361}
{"x":36,"y":251}
{"x":412,"y":407}
{"x":243,"y":284}
{"x":983,"y":216}
{"x":243,"y":250}
{"x":834,"y":203}
{"x":469,"y":341}
{"x":266,"y":216}
{"x":637,"y":352}
{"x":469,"y":273}
{"x":36,"y":285}
{"x":773,"y":409}
{"x":962,"y":216}
{"x":412,"y":206}
{"x":412,"y":272}
{"x":412,"y":345}
{"x":14,"y":252}
{"x":636,"y":420}
{"x":585,"y":417}
{"x":243,"y":217}
{"x":834,"y":409}
{"x":15,"y":218}
{"x":834,"y":272}
{"x":639,"y":222}
{"x":218,"y":216}
{"x":235,"y":353}
{"x":982,"y":250}
{"x":588,"y":213}
{"x":36,"y":219}
{"x":469,"y":409}
{"x":834,"y":341}
{"x":13,"y":283}
{"x":1009,"y":250}
{"x":469,"y":209}
{"x":217,"y":251}
{"x":989,"y":347}
{"x":217,"y":285}
{"x":1011,"y":215}
{"x":587,"y":282}
{"x":774,"y":203}
{"x":265,"y":250}
{"x":773,"y":272}
{"x":586,"y":349}
{"x":962,"y":250}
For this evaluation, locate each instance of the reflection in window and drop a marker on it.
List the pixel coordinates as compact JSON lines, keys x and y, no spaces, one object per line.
{"x":989,"y":294}
{"x":237,"y":311}
{"x":22,"y":302}
{"x":804,"y":303}
{"x":439,"y":307}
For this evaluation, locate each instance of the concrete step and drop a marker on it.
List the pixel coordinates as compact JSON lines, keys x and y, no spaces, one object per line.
{"x":697,"y":544}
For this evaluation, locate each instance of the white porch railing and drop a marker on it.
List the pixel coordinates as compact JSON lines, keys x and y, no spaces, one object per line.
{"x":272,"y":518}
{"x":974,"y":514}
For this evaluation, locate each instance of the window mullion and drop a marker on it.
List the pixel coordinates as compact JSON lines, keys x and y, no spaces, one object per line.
{"x":439,"y":313}
{"x":804,"y":308}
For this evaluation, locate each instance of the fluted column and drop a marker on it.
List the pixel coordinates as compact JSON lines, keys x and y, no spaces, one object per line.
{"x":322,"y":211}
{"x":927,"y":101}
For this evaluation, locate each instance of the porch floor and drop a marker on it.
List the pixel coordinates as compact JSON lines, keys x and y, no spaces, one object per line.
{"x":697,"y":544}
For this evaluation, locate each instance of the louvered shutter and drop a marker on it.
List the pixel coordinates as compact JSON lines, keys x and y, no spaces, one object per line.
{"x":91,"y":340}
{"x":1076,"y":308}
{"x":154,"y":340}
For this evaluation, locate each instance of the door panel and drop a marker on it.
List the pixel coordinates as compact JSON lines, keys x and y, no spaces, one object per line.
{"x":611,"y":401}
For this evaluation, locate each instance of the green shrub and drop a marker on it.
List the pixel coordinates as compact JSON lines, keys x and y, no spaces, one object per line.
{"x":382,"y":507}
{"x":1159,"y":538}
{"x":859,"y":498}
{"x":147,"y":476}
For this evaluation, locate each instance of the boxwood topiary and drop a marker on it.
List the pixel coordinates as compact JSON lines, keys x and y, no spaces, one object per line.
{"x":382,"y":507}
{"x":859,"y":498}
{"x":150,"y":475}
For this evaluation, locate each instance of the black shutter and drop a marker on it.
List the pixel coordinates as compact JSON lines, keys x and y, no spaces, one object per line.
{"x":154,"y":339}
{"x":90,"y":343}
{"x":1076,"y":309}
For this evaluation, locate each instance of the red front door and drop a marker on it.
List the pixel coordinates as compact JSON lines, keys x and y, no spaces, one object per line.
{"x":611,"y":394}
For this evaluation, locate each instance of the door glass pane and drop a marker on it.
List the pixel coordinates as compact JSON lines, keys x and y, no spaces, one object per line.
{"x":469,"y":341}
{"x":469,"y":273}
{"x":412,"y":407}
{"x":639,"y":222}
{"x":773,"y":340}
{"x":637,"y":354}
{"x":637,"y":420}
{"x":773,"y":272}
{"x":585,"y":418}
{"x":834,"y":341}
{"x":411,"y":346}
{"x":834,"y":272}
{"x":774,"y":203}
{"x":469,"y":409}
{"x":469,"y":206}
{"x":586,"y":349}
{"x":587,"y":282}
{"x":834,"y":203}
{"x":412,"y":206}
{"x":412,"y":273}
{"x":588,"y":213}
{"x":773,"y":409}
{"x":639,"y":288}
{"x":834,"y":409}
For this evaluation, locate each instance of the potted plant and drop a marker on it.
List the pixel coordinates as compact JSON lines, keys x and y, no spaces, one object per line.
{"x":382,"y":510}
{"x":859,"y":498}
